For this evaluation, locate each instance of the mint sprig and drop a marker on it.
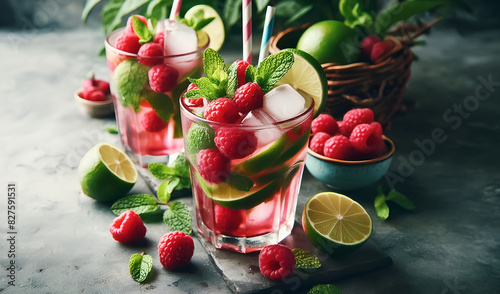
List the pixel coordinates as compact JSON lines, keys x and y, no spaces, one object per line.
{"x":273,"y":68}
{"x":139,"y":203}
{"x":381,"y":207}
{"x":305,"y":259}
{"x":145,"y":32}
{"x":178,"y":218}
{"x":140,"y":266}
{"x":324,"y":289}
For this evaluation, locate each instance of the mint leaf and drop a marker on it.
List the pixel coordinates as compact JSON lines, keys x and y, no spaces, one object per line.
{"x":139,"y":203}
{"x":177,"y":217}
{"x":212,"y":62}
{"x":202,"y":23}
{"x":161,"y":171}
{"x":250,"y":74}
{"x":166,"y":187}
{"x":240,"y":182}
{"x":232,"y":83}
{"x":140,"y":266}
{"x":273,"y":68}
{"x":324,"y":289}
{"x":141,"y":30}
{"x":354,"y":14}
{"x":161,"y":103}
{"x":400,"y":199}
{"x":305,"y":259}
{"x":381,"y":207}
{"x":111,"y":130}
{"x":194,"y":94}
{"x":130,"y":77}
{"x":207,"y":89}
{"x":181,"y":165}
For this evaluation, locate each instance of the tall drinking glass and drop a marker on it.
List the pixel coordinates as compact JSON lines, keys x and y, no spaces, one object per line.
{"x":148,"y":118}
{"x":253,"y":200}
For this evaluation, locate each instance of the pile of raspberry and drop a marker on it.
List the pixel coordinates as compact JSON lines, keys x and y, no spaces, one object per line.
{"x":356,"y":137}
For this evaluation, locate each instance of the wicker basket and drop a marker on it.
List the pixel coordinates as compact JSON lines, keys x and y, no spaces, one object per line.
{"x":378,"y":86}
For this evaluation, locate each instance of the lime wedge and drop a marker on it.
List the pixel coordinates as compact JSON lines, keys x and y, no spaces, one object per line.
{"x":106,"y":173}
{"x":335,"y":223}
{"x":215,"y":29}
{"x":308,"y":78}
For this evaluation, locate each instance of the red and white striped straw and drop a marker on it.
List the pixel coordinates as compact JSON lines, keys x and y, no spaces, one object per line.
{"x":247,"y":30}
{"x":176,"y":9}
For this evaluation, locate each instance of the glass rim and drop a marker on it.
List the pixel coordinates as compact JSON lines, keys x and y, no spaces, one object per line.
{"x":107,"y":44}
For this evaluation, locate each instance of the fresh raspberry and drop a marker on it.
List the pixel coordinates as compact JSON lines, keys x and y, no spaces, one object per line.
{"x":128,"y":227}
{"x":367,"y":139}
{"x":150,"y":54}
{"x":222,"y":110}
{"x":235,"y":143}
{"x":96,"y":95}
{"x":227,"y":220}
{"x":213,"y":166}
{"x":317,"y":143}
{"x":130,"y":28}
{"x":342,"y":129}
{"x":128,"y":42}
{"x":175,"y":250}
{"x":367,"y":45}
{"x":355,"y":117}
{"x":194,"y":102}
{"x":338,"y":147}
{"x":248,"y":97}
{"x":241,"y":67}
{"x":380,"y":49}
{"x":152,"y":122}
{"x":159,"y":38}
{"x":162,"y":78}
{"x":324,"y":123}
{"x":276,"y":262}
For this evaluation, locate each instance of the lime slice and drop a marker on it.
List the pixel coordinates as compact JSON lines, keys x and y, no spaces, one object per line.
{"x":308,"y":78}
{"x":335,"y":223}
{"x":262,"y":160}
{"x":233,"y":198}
{"x":215,"y":29}
{"x":106,"y":173}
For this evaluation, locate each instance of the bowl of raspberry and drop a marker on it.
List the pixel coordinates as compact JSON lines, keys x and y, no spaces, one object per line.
{"x":94,"y":97}
{"x":349,"y":154}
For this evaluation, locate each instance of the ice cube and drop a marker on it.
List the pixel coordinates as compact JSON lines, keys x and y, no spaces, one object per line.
{"x":283,"y":102}
{"x":258,"y":117}
{"x":179,"y":38}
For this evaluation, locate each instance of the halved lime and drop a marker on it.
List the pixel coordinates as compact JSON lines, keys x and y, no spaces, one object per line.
{"x":230,"y":197}
{"x":335,"y":223}
{"x":215,"y":29}
{"x":308,"y":78}
{"x":106,"y":173}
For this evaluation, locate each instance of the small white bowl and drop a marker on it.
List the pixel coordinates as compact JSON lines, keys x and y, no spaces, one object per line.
{"x":95,"y":108}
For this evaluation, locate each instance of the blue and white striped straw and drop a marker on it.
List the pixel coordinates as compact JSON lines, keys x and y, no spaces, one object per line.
{"x":267,"y":33}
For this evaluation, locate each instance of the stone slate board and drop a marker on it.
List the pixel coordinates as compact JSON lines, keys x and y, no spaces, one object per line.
{"x":242,"y":274}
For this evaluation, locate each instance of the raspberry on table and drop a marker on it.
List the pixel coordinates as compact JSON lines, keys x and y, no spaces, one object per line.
{"x":128,"y":227}
{"x":128,"y":42}
{"x":175,"y":250}
{"x":338,"y":147}
{"x":317,"y":143}
{"x":248,"y":97}
{"x":162,"y":78}
{"x":222,"y":110}
{"x":150,"y":54}
{"x":129,"y":27}
{"x":235,"y":143}
{"x":241,"y":67}
{"x":367,"y":139}
{"x":213,"y":166}
{"x":324,"y":123}
{"x":152,"y":122}
{"x":276,"y":262}
{"x":227,"y":220}
{"x":355,"y":117}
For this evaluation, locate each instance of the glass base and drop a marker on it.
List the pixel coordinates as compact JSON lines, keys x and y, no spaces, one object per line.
{"x":245,"y":244}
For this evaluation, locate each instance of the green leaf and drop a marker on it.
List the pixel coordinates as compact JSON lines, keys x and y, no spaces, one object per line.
{"x":141,"y":30}
{"x":161,"y":171}
{"x":158,"y":9}
{"x":400,"y":199}
{"x":381,"y":207}
{"x":89,"y":4}
{"x":261,"y":4}
{"x":232,"y":83}
{"x":161,"y":103}
{"x":305,"y":259}
{"x":140,"y":266}
{"x":298,"y":14}
{"x":163,"y":193}
{"x":109,"y":12}
{"x":130,"y":78}
{"x":202,"y":23}
{"x":212,"y":62}
{"x":231,"y":13}
{"x":181,"y":165}
{"x":139,"y":203}
{"x":273,"y":68}
{"x":324,"y":289}
{"x":403,"y":11}
{"x":207,"y":89}
{"x":178,"y":218}
{"x":240,"y":182}
{"x":111,"y":130}
{"x":354,"y":14}
{"x":250,"y":74}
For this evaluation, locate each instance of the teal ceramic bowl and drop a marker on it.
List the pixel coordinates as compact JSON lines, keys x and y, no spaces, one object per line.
{"x":349,"y":175}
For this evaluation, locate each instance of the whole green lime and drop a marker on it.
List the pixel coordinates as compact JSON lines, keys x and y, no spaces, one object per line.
{"x":330,"y":41}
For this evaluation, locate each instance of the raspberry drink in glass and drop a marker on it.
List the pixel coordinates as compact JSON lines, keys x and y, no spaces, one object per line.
{"x":149,"y":64}
{"x":246,"y":146}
